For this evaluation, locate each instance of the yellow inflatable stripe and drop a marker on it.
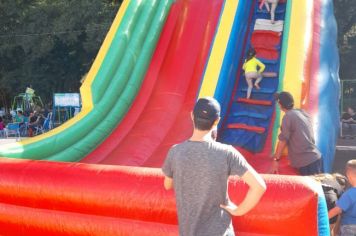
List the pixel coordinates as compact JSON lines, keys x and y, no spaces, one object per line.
{"x":300,"y":35}
{"x":85,"y":90}
{"x":216,"y":58}
{"x":297,"y":50}
{"x":298,"y":47}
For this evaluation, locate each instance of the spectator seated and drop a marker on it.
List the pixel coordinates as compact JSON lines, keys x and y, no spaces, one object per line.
{"x":348,"y":124}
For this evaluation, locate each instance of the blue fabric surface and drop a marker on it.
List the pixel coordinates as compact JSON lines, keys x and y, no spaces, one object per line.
{"x":260,"y":116}
{"x":329,"y":86}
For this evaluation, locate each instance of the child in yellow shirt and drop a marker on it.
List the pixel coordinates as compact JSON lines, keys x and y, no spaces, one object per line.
{"x":253,"y":70}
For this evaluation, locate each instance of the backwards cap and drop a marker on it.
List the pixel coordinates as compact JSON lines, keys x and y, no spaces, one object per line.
{"x":207,"y":109}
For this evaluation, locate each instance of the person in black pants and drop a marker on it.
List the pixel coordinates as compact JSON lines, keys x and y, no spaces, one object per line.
{"x":296,"y":134}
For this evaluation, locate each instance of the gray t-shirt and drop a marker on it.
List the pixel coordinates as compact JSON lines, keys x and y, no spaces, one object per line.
{"x":297,"y":131}
{"x":200,"y":171}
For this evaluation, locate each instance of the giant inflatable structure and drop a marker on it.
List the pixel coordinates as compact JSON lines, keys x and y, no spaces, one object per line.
{"x":158,"y":57}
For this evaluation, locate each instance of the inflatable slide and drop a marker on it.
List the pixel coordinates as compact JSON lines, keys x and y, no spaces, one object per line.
{"x":159,"y":56}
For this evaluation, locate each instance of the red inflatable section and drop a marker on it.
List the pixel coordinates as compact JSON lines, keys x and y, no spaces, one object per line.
{"x":169,"y":90}
{"x":50,"y":198}
{"x":140,"y":102}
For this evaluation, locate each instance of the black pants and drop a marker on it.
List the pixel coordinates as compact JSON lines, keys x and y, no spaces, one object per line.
{"x":311,"y":169}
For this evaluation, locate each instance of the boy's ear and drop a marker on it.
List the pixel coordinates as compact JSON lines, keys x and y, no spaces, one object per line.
{"x":216,"y":122}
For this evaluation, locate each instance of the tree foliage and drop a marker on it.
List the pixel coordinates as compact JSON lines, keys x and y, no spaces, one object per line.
{"x":49,"y":44}
{"x":345,"y":13}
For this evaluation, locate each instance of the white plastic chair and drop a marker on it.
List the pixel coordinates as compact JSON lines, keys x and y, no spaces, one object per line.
{"x":2,"y":133}
{"x":13,"y":129}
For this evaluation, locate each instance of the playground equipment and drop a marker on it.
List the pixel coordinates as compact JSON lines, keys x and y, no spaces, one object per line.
{"x":157,"y":58}
{"x":27,"y":101}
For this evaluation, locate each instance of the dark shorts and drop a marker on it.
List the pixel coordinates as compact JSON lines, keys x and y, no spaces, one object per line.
{"x":311,"y":169}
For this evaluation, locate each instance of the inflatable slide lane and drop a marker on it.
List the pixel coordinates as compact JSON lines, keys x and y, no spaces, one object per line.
{"x":301,"y":57}
{"x":109,"y":89}
{"x":160,"y":114}
{"x":158,"y":57}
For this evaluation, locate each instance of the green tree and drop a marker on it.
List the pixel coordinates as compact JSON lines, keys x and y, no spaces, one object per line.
{"x":50,"y":44}
{"x":345,"y":12}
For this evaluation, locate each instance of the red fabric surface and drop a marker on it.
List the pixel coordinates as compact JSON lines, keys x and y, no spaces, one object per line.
{"x":166,"y":110}
{"x":280,"y":1}
{"x":246,"y":127}
{"x":140,"y":102}
{"x":311,"y":86}
{"x":50,"y":198}
{"x":255,"y":102}
{"x":265,"y":43}
{"x":265,"y":38}
{"x":18,"y":220}
{"x":266,"y":53}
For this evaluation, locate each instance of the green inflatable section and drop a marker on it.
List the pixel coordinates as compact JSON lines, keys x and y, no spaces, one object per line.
{"x":114,"y":88}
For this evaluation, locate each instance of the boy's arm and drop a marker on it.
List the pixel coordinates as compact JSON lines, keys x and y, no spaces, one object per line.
{"x":168,"y":183}
{"x":277,"y":156}
{"x":279,"y":150}
{"x":168,"y":171}
{"x":283,"y":137}
{"x":257,"y":187}
{"x":334,"y":212}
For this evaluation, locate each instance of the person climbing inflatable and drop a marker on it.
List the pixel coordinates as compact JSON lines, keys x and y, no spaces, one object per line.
{"x":253,"y":70}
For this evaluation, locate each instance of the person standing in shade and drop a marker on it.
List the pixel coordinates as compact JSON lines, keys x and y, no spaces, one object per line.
{"x":253,"y":70}
{"x":198,"y":170}
{"x":296,"y":134}
{"x":348,"y":121}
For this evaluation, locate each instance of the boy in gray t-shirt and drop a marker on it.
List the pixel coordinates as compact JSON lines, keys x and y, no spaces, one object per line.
{"x":199,"y":168}
{"x":296,"y":134}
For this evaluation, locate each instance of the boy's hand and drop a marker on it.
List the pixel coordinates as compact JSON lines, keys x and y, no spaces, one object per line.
{"x":274,"y":167}
{"x":231,"y":208}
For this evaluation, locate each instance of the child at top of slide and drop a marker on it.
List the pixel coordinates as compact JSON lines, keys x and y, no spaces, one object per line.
{"x":271,"y":9}
{"x":253,"y":70}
